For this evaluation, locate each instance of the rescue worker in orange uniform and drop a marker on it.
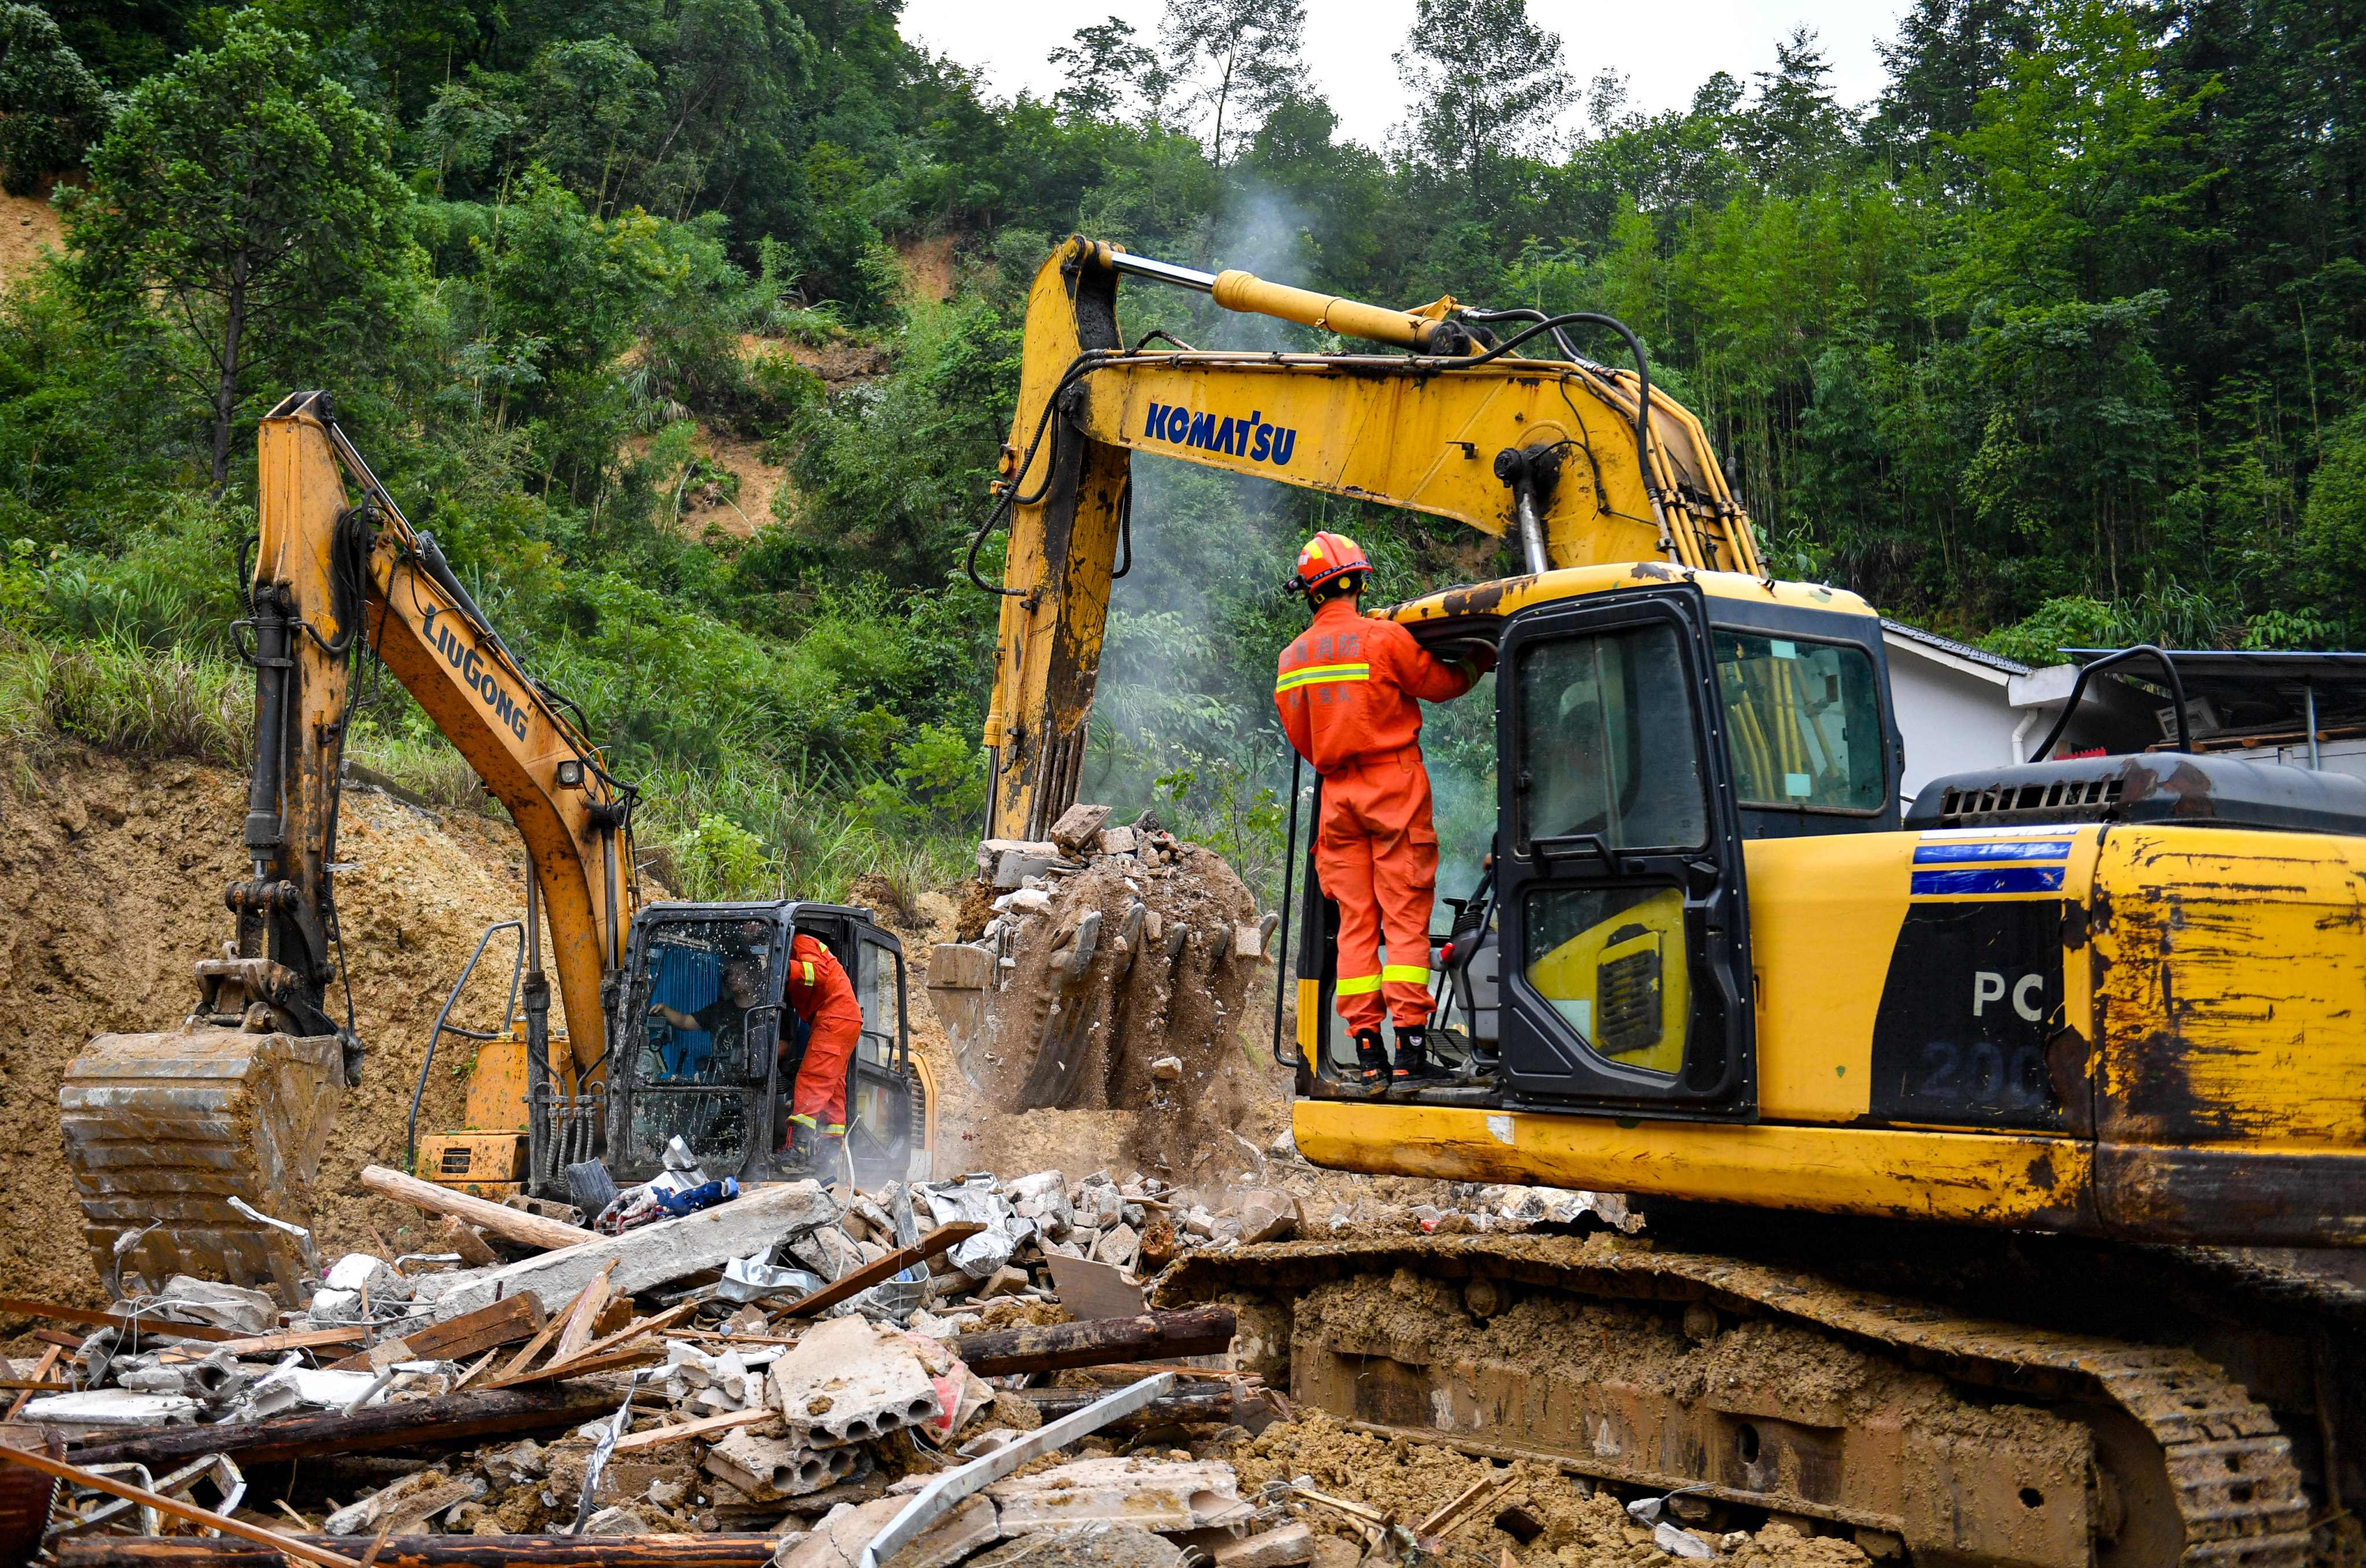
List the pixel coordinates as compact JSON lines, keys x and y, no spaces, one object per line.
{"x":1346,"y":690}
{"x":819,"y":993}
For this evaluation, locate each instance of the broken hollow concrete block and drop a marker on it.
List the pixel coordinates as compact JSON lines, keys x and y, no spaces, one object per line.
{"x":1118,"y":1489}
{"x":657,"y":1253}
{"x":769,"y":1469}
{"x":849,"y":1381}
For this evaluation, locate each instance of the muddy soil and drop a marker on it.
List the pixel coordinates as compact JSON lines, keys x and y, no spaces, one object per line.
{"x":113,"y":883}
{"x":1575,"y":1527}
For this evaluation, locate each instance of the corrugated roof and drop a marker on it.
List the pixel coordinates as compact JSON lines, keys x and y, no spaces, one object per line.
{"x":1948,"y":645}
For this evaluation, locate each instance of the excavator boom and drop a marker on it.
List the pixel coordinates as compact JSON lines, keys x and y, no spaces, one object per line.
{"x":414,"y":615}
{"x":1561,"y":454}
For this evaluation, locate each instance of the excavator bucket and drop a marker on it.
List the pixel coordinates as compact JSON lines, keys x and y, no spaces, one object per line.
{"x":163,"y":1130}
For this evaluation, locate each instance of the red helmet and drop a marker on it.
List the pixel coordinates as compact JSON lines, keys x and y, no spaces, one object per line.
{"x":1328,"y":556}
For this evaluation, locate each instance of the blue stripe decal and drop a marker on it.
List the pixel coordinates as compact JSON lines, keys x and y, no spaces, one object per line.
{"x":1992,"y":879}
{"x":1995,"y":849}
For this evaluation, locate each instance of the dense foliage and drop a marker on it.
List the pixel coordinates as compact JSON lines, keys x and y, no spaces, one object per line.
{"x":2057,"y":340}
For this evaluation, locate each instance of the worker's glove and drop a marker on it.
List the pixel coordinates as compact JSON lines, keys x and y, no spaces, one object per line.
{"x":1479,"y":655}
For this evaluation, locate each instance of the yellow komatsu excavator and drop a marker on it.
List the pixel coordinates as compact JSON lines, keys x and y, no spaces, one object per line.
{"x":1958,"y":1123}
{"x":192,"y":1149}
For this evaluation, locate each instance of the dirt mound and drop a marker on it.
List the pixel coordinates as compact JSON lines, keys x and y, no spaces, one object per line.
{"x":115,"y":873}
{"x":30,"y":234}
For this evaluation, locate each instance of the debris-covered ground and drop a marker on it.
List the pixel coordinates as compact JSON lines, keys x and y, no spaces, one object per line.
{"x":782,"y":1375}
{"x":797,"y":1365}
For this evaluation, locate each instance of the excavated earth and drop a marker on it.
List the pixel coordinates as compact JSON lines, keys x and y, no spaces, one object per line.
{"x":113,"y":872}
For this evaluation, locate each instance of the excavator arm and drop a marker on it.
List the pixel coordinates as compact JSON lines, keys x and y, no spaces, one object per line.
{"x":1580,"y":462}
{"x":190,"y":1147}
{"x":336,"y":560}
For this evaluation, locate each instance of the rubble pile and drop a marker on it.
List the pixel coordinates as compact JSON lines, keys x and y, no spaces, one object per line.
{"x":965,"y":1371}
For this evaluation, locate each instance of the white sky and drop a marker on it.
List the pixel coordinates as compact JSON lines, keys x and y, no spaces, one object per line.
{"x":1665,"y":47}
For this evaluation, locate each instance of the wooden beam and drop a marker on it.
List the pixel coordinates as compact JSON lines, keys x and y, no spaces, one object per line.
{"x":152,"y":1328}
{"x":271,"y":1343}
{"x":1200,"y":1331}
{"x":435,"y":1552}
{"x":49,"y":1363}
{"x":505,"y":1322}
{"x":705,"y":1426}
{"x":582,"y":1366}
{"x":453,"y":1417}
{"x":514,"y":1224}
{"x":939,"y":1240}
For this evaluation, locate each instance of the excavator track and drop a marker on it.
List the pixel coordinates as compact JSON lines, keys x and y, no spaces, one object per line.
{"x":2183,"y":1465}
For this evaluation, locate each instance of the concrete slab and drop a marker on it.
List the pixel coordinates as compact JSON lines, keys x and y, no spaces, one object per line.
{"x":654,"y":1254}
{"x":1155,"y":1495}
{"x":837,"y":1542}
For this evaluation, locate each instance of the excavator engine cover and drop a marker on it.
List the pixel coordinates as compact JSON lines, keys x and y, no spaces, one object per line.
{"x":162,"y":1131}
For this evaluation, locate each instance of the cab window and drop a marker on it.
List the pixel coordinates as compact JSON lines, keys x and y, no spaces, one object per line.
{"x":1607,"y":742}
{"x":705,"y":986}
{"x":1804,"y":723}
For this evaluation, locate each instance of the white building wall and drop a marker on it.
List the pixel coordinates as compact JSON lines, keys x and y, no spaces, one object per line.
{"x":1950,"y":720}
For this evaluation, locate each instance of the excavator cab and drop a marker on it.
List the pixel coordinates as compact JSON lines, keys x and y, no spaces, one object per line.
{"x":721,"y":1081}
{"x":1650,"y":722}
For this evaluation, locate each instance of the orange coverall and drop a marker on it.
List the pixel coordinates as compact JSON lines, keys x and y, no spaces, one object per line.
{"x":1346,"y":690}
{"x":820,"y":994}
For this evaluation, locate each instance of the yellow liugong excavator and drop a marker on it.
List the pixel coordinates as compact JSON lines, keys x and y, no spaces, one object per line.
{"x":192,"y":1149}
{"x":1943,"y":1114}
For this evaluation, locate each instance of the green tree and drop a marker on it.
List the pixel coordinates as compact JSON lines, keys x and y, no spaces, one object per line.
{"x":248,"y":196}
{"x":1104,"y":68}
{"x":1249,"y":50}
{"x":49,"y":106}
{"x":1948,"y":54}
{"x":1486,"y":81}
{"x":1791,"y":135}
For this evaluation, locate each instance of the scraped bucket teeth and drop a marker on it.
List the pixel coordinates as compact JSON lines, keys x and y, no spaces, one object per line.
{"x":163,"y":1130}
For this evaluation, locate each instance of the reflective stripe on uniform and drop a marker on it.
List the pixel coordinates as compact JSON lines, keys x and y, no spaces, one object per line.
{"x":837,"y":1132}
{"x":808,"y":963}
{"x":1319,"y":674}
{"x":1362,"y":985}
{"x":1417,"y":974}
{"x":804,"y":1120}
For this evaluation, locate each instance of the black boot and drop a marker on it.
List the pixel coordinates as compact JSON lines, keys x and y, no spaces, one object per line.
{"x":804,"y":1144}
{"x":1371,"y":1060}
{"x":1413,"y":1067}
